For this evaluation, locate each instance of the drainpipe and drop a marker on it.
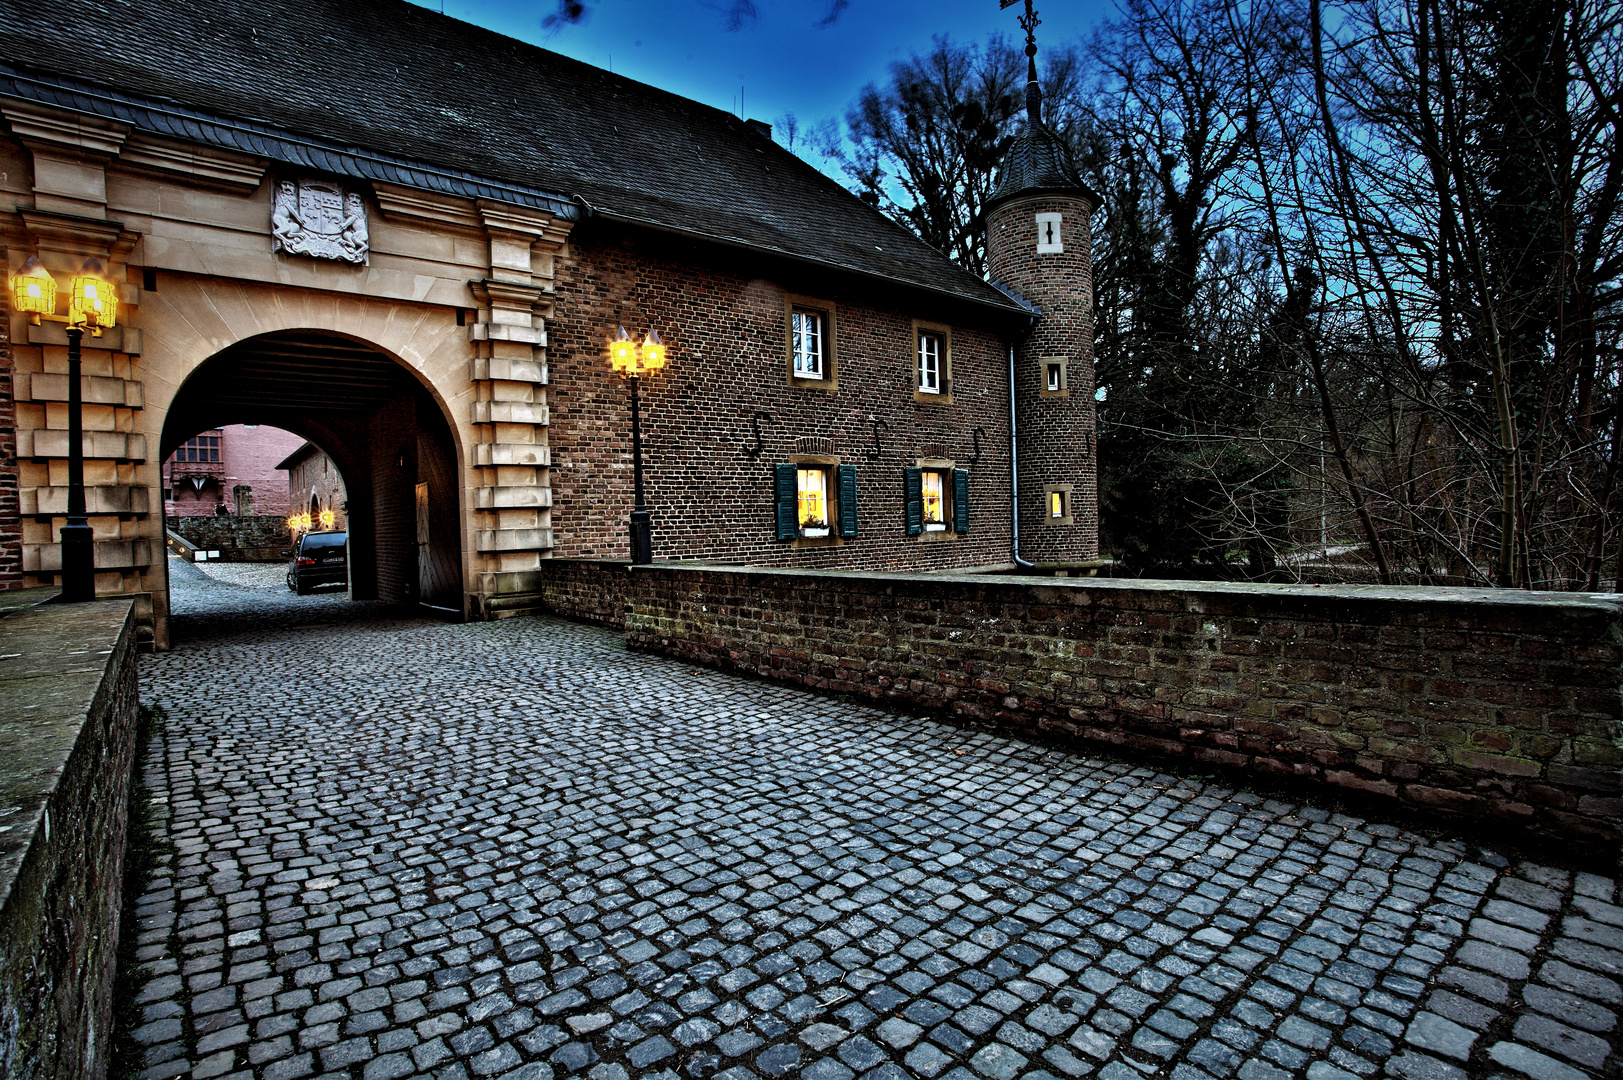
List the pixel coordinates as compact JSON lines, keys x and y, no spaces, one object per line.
{"x":1014,"y":466}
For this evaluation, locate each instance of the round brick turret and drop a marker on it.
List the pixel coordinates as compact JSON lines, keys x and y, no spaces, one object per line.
{"x":1040,"y":247}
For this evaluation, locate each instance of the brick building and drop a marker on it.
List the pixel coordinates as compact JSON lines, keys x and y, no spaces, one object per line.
{"x":314,"y":485}
{"x":422,"y":274}
{"x":235,"y":467}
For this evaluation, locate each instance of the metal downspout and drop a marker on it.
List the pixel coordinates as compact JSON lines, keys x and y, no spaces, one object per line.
{"x":1014,"y":466}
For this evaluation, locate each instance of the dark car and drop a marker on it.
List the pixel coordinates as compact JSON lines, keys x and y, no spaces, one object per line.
{"x":319,"y":558}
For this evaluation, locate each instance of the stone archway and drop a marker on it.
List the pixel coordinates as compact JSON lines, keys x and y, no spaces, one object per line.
{"x":382,"y":427}
{"x":290,"y":350}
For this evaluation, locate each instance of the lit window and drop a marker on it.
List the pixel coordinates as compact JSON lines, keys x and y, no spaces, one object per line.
{"x":930,"y":363}
{"x":811,"y":489}
{"x":1056,"y":504}
{"x":935,"y":503}
{"x":810,"y":333}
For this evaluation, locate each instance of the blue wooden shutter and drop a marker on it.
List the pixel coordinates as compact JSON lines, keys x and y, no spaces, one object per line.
{"x":848,"y":500}
{"x":960,"y":500}
{"x":788,"y":502}
{"x":913,"y":490}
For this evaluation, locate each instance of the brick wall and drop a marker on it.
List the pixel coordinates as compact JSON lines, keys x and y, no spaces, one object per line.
{"x":66,"y":801}
{"x":250,"y":455}
{"x":1057,"y":433}
{"x":596,"y":590}
{"x":11,"y":528}
{"x":1498,"y":711}
{"x":724,"y":326}
{"x":316,"y":474}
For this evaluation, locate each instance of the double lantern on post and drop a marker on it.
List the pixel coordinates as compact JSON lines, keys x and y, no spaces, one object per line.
{"x":93,"y":305}
{"x":632,"y":362}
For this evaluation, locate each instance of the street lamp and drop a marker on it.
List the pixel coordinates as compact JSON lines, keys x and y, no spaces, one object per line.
{"x":632,"y":363}
{"x":92,"y":304}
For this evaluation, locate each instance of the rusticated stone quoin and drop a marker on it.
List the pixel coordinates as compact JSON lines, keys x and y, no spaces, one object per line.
{"x":1500,"y":709}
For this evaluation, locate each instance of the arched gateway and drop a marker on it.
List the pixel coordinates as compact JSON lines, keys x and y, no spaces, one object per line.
{"x":383,"y":427}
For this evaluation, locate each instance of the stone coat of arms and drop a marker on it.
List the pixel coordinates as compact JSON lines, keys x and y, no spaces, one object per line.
{"x":320,"y":219}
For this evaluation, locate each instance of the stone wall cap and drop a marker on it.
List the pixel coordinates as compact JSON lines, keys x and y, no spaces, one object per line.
{"x":1601,"y":603}
{"x":54,"y":662}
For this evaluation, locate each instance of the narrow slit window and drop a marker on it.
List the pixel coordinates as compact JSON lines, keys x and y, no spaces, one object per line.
{"x":1056,"y":504}
{"x":1053,"y":377}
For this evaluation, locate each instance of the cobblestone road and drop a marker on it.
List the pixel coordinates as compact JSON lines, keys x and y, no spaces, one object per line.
{"x":515,"y":850}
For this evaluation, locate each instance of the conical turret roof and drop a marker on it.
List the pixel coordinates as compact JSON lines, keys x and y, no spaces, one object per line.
{"x":1038,"y":160}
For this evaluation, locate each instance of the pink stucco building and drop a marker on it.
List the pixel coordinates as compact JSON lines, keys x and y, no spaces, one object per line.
{"x":232,"y":466}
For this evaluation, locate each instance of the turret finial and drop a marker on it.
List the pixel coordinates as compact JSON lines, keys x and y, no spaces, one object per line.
{"x":1034,"y":92}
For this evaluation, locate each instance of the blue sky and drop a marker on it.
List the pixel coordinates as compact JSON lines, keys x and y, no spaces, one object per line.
{"x":784,"y":62}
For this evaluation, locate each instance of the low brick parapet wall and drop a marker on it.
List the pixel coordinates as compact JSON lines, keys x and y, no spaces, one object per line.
{"x":1490,"y":708}
{"x":67,"y":745}
{"x":257,"y":538}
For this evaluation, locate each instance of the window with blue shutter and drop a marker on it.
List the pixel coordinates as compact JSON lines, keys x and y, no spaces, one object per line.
{"x":913,"y":493}
{"x":788,"y":522}
{"x":960,"y":500}
{"x":848,"y":500}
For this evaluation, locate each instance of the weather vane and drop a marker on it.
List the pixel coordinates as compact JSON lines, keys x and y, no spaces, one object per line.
{"x":1028,"y":22}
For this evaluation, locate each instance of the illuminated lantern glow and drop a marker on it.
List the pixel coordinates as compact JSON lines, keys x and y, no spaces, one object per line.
{"x":92,"y":300}
{"x":327,"y":519}
{"x":623,"y":354}
{"x":293,"y":523}
{"x":653,"y":351}
{"x":33,"y":289}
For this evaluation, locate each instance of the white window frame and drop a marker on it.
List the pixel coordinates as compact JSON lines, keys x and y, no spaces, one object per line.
{"x":1050,"y":234}
{"x":808,"y":330}
{"x":930,"y":348}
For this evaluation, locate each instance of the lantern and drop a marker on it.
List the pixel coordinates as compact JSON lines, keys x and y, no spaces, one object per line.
{"x":653,"y":351}
{"x":92,"y":301}
{"x":33,"y":289}
{"x":623,"y":354}
{"x":327,"y":519}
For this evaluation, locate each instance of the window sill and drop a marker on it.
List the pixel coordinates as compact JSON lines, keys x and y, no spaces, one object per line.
{"x":924,"y":397}
{"x":813,"y":384}
{"x":816,"y":542}
{"x":929,"y":536}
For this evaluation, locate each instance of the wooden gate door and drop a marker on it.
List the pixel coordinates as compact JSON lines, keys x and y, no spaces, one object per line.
{"x":425,"y":569}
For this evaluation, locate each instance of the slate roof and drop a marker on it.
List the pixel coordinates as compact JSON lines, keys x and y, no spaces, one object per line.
{"x":1038,"y":160}
{"x":386,"y":90}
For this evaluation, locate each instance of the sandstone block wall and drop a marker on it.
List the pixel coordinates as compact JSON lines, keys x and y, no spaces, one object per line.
{"x":11,"y":527}
{"x":67,"y":732}
{"x":1497,"y":710}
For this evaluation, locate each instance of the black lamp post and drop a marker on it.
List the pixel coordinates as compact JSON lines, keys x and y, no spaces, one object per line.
{"x":90,"y":303}
{"x":632,"y":363}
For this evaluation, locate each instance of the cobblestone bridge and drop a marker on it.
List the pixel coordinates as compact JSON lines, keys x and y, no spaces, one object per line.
{"x":515,"y":850}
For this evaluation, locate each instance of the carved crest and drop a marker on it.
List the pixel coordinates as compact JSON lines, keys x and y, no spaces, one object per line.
{"x":320,"y":219}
